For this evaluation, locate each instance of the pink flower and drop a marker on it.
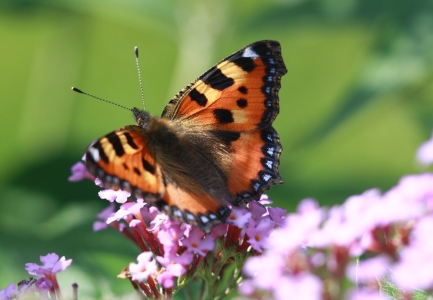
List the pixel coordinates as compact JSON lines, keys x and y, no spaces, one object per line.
{"x":119,"y":196}
{"x":369,"y":269}
{"x":146,"y":266}
{"x":277,"y":214}
{"x":51,"y":264}
{"x":43,"y":285}
{"x":298,"y":227}
{"x":247,"y":287}
{"x":303,"y":286}
{"x":414,"y":269}
{"x":343,"y":227}
{"x":411,"y":198}
{"x":258,"y":233}
{"x":103,"y":216}
{"x":196,"y":243}
{"x":79,"y":172}
{"x":425,"y":153}
{"x":264,"y":200}
{"x":265,"y":270}
{"x":175,"y":264}
{"x":239,"y":216}
{"x":169,"y":236}
{"x":256,"y":209}
{"x":125,"y":210}
{"x":165,"y":279}
{"x":219,"y":230}
{"x":9,"y":292}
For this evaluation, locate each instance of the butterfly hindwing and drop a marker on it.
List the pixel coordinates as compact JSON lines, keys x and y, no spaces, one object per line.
{"x":203,"y":210}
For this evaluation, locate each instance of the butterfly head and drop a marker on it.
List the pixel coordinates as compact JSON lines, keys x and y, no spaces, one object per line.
{"x":141,"y":117}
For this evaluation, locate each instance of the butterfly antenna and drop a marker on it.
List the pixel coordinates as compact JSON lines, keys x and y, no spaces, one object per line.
{"x":139,"y":76}
{"x":87,"y":94}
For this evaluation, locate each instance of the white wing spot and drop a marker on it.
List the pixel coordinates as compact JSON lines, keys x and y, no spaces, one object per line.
{"x":94,"y":152}
{"x":268,"y":90}
{"x":256,"y":186}
{"x":269,"y":78}
{"x":266,"y":177}
{"x":204,"y":219}
{"x":272,"y":71}
{"x":248,"y":52}
{"x":271,"y":151}
{"x":271,"y":61}
{"x":269,"y":164}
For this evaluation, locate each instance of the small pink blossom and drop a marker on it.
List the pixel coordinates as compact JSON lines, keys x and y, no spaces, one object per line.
{"x":79,"y":172}
{"x":9,"y":292}
{"x":146,"y":266}
{"x":265,"y":270}
{"x":302,"y":286}
{"x":264,"y":200}
{"x":258,"y":233}
{"x":103,"y":216}
{"x":119,"y":196}
{"x":51,"y":264}
{"x":166,"y":279}
{"x":256,"y":209}
{"x":414,"y":269}
{"x":277,"y":214}
{"x":195,"y":242}
{"x":219,"y":230}
{"x":176,"y":264}
{"x":43,"y":285}
{"x":239,"y":216}
{"x":425,"y":153}
{"x":370,"y":269}
{"x":169,"y":236}
{"x":298,"y":227}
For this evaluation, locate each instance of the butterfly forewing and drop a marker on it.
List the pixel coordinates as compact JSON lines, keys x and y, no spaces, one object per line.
{"x":122,"y":159}
{"x":239,"y":93}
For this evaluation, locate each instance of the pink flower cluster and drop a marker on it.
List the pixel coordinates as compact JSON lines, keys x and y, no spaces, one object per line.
{"x":46,"y":287}
{"x":173,"y":253}
{"x":317,"y":250}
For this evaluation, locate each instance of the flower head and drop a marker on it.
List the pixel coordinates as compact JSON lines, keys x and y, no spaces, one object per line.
{"x":146,"y":266}
{"x":50,"y":264}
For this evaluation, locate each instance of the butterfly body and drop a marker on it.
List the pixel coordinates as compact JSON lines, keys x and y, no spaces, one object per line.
{"x":214,"y":145}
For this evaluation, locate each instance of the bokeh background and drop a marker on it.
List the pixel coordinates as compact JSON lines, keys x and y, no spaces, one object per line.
{"x":356,"y":103}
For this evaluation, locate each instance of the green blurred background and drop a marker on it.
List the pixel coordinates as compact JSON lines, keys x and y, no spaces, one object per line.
{"x":355,"y":105}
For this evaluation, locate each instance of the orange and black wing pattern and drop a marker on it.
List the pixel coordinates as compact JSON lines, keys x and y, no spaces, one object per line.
{"x":123,"y":160}
{"x":237,"y":100}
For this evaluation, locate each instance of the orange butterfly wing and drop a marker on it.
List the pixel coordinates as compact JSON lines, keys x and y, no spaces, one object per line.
{"x":122,"y":160}
{"x":237,"y":100}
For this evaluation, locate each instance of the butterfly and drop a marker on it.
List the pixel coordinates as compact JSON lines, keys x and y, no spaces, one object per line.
{"x":213,"y":146}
